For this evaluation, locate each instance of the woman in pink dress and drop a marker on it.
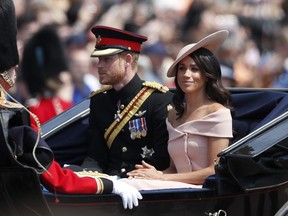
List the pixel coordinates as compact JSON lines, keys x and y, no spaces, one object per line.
{"x":199,"y":124}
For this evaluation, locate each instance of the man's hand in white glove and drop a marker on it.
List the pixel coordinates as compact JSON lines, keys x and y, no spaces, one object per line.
{"x":129,"y":194}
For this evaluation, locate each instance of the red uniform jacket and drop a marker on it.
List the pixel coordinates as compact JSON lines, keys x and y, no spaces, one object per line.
{"x":66,"y":181}
{"x":47,"y":108}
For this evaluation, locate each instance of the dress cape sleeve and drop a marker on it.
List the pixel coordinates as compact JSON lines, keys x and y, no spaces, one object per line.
{"x":217,"y":124}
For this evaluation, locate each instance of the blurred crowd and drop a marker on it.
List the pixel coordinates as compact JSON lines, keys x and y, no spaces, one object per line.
{"x":55,"y":42}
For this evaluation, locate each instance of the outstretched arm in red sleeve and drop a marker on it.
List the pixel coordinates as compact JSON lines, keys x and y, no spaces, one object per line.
{"x":66,"y":181}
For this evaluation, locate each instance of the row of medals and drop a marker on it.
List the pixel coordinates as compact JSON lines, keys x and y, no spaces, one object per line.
{"x":139,"y":130}
{"x":137,"y":127}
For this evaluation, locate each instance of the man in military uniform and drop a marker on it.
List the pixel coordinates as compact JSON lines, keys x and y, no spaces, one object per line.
{"x":127,"y":117}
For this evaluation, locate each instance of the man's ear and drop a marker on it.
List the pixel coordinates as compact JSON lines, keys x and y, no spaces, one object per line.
{"x":128,"y":60}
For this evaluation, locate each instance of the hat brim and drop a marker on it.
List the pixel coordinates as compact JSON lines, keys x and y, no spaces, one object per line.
{"x":105,"y":52}
{"x":211,"y":42}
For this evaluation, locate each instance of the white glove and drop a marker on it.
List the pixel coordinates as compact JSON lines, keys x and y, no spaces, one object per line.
{"x":128,"y":193}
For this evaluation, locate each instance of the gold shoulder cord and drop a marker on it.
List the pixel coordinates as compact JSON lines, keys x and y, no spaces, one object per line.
{"x":116,"y":126}
{"x":19,"y":105}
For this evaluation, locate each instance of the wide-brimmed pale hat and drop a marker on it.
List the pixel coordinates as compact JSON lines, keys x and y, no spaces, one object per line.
{"x":211,"y":42}
{"x":110,"y":41}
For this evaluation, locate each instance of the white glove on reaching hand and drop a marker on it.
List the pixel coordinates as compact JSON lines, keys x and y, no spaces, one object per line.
{"x":129,"y":194}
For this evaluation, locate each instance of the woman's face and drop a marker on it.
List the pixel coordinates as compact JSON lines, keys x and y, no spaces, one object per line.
{"x":8,"y":78}
{"x":189,"y":76}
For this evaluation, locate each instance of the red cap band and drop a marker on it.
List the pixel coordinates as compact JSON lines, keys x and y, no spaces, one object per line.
{"x":131,"y":45}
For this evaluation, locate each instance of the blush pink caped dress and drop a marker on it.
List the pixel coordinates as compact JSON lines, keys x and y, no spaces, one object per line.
{"x":188,"y":147}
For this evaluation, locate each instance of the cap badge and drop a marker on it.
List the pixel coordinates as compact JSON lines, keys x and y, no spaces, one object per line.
{"x":98,"y":39}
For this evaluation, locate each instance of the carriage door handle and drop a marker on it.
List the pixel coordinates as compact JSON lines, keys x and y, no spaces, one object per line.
{"x":219,"y":213}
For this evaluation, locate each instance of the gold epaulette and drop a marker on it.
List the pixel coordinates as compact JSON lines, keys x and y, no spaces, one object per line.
{"x":157,"y":86}
{"x":104,"y":89}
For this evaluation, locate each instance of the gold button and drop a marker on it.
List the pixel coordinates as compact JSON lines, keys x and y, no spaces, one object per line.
{"x":123,"y":170}
{"x":124,"y":149}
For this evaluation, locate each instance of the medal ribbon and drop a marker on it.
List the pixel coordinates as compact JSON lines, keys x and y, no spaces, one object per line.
{"x":127,"y":114}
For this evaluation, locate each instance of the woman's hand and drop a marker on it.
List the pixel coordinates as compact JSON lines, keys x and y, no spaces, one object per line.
{"x":145,"y":171}
{"x":144,"y":165}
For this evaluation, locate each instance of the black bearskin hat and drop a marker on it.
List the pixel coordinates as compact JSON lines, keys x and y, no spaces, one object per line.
{"x":43,"y":60}
{"x":9,"y":56}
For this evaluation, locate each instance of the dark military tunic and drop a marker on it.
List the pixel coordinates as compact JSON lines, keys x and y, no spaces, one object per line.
{"x":128,"y":149}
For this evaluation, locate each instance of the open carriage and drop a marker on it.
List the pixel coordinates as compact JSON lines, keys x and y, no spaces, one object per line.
{"x":251,"y":178}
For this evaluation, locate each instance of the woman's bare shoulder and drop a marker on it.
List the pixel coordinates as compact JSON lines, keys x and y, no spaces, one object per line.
{"x":171,"y":115}
{"x":214,"y":107}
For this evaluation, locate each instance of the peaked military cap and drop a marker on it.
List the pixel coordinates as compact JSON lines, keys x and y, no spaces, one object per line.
{"x":110,"y":41}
